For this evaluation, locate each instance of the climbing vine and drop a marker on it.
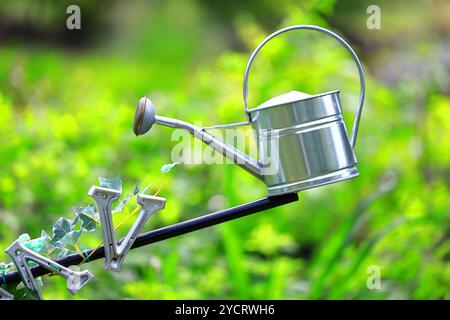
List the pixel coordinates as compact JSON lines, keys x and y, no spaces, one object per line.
{"x":66,"y":233}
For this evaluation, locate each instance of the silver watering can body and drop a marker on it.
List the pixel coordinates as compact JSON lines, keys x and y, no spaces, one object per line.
{"x":302,"y":139}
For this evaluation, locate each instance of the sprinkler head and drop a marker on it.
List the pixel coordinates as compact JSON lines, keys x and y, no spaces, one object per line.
{"x":144,"y":117}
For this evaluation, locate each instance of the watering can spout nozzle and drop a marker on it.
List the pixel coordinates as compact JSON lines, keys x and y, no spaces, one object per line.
{"x":144,"y":117}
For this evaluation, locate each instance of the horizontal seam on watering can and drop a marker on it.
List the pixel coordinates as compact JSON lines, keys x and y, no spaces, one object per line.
{"x":304,"y":127}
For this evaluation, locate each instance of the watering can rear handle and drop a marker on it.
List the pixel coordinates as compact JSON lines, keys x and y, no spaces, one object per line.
{"x":333,"y":35}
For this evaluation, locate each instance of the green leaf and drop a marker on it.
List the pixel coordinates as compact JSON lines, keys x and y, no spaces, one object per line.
{"x":45,"y":234}
{"x":61,"y":227}
{"x":167,"y":167}
{"x":88,"y":216}
{"x":70,"y":238}
{"x":58,"y":252}
{"x":46,"y":246}
{"x":23,"y":238}
{"x":115,"y":183}
{"x":123,"y":202}
{"x":20,"y":286}
{"x":136,"y":188}
{"x":38,"y":245}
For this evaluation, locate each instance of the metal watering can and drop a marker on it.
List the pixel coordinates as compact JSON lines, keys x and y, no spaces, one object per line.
{"x":305,"y":135}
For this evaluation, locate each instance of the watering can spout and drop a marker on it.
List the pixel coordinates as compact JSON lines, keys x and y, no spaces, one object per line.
{"x":145,"y":117}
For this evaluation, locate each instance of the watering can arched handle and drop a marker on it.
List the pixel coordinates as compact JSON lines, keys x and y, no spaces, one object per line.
{"x":333,"y":35}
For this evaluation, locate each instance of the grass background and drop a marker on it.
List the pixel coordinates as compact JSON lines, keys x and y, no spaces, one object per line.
{"x":67,"y":101}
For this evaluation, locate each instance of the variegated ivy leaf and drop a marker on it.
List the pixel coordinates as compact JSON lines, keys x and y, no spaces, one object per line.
{"x":59,"y":252}
{"x":61,"y":227}
{"x":70,"y":238}
{"x":114,"y":183}
{"x":66,"y":232}
{"x":123,"y":202}
{"x":167,"y":167}
{"x":88,"y":216}
{"x":24,"y":238}
{"x":47,"y":246}
{"x":45,"y":234}
{"x":39,"y":245}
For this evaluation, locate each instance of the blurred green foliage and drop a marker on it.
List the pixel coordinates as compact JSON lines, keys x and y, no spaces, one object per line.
{"x":66,"y":117}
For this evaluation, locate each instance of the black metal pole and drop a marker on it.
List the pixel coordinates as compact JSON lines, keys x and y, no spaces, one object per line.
{"x":170,"y":232}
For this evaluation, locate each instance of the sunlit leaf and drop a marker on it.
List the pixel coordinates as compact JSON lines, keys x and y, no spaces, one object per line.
{"x":115,"y":183}
{"x":123,"y":202}
{"x":38,"y":245}
{"x":60,"y":229}
{"x":167,"y":167}
{"x":70,"y":238}
{"x":23,"y":238}
{"x":88,"y":216}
